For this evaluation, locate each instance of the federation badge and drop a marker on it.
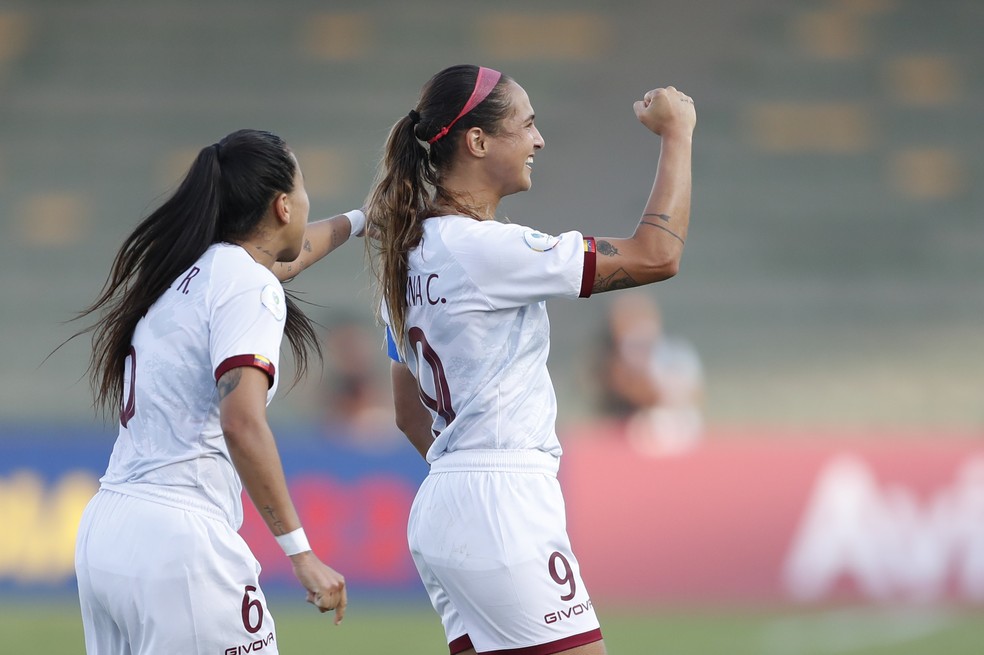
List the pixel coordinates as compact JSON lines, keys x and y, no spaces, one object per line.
{"x":273,"y":299}
{"x":539,"y":241}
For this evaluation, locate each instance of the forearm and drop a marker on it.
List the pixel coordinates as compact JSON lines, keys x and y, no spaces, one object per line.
{"x":417,"y":425}
{"x":255,"y":456}
{"x":421,"y":438}
{"x":412,"y":418}
{"x":666,"y":217}
{"x":654,"y":250}
{"x":320,"y":238}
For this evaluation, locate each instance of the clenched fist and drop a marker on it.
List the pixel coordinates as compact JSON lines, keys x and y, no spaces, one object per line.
{"x":667,"y":110}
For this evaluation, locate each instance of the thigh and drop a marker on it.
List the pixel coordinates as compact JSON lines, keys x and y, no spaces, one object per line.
{"x":102,"y":635}
{"x":496,"y":545}
{"x":174,"y":581}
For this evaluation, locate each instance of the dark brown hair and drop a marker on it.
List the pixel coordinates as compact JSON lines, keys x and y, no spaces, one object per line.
{"x":408,"y":185}
{"x":226,"y":192}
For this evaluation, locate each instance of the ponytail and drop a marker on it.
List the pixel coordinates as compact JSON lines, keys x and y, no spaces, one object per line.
{"x":400,"y":200}
{"x":161,"y":247}
{"x":224,"y":196}
{"x":408,"y":187}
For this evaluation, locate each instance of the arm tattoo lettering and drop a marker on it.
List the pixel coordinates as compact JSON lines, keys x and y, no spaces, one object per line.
{"x":617,"y":280}
{"x":278,"y":525}
{"x":229,"y":381}
{"x":606,"y":249}
{"x":307,"y":245}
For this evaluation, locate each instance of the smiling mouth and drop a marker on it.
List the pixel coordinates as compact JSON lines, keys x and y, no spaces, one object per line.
{"x":529,"y":163}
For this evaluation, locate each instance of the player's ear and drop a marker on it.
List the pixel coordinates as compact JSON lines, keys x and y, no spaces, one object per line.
{"x":476,"y":142}
{"x":281,"y":208}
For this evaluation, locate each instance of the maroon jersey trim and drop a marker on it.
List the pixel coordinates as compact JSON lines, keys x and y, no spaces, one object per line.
{"x":587,"y":279}
{"x":258,"y":361}
{"x":460,"y":645}
{"x":463,"y":643}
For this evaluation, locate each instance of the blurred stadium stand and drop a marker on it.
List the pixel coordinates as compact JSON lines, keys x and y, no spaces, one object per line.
{"x":834,"y":274}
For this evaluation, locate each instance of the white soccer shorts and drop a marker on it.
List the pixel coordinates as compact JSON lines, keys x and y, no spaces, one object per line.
{"x":159,"y":579}
{"x":488,"y":533}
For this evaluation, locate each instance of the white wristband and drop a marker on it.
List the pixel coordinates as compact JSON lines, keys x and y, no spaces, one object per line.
{"x":358,"y":220}
{"x":294,"y":542}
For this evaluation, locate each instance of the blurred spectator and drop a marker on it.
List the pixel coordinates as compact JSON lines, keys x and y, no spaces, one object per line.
{"x":653,"y":382}
{"x":357,"y":405}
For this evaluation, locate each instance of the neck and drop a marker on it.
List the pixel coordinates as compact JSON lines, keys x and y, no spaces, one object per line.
{"x":480,"y":199}
{"x":260,"y":250}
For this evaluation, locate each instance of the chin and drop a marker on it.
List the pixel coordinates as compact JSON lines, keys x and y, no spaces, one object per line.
{"x":525,"y":185}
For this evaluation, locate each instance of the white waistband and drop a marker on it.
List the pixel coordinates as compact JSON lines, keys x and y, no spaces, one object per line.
{"x":514,"y":461}
{"x":187,"y":499}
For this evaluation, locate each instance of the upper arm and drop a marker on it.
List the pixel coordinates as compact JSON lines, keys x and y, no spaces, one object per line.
{"x":242,"y":399}
{"x":625,"y":263}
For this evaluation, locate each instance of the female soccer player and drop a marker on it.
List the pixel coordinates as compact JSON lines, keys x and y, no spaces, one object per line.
{"x":464,"y":297}
{"x":192,"y":318}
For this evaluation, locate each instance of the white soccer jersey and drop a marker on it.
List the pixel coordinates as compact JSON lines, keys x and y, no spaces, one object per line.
{"x":223,"y":312}
{"x":478,"y":335}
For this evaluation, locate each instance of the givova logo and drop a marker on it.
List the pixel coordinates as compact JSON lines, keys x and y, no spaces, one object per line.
{"x":252,"y":647}
{"x":886,"y":540}
{"x":573,"y":610}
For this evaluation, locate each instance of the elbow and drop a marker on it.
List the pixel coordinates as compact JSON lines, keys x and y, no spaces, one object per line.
{"x":237,"y":427}
{"x":669,"y":269}
{"x":661,"y":269}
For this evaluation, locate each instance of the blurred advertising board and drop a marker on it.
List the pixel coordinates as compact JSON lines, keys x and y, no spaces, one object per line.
{"x":354,"y":502}
{"x":743,"y":518}
{"x":746,"y":518}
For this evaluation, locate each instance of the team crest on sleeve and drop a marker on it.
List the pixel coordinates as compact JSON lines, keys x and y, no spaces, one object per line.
{"x":539,"y":241}
{"x":273,"y":299}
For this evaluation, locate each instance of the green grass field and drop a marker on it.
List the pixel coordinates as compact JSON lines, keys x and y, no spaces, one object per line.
{"x":55,"y":629}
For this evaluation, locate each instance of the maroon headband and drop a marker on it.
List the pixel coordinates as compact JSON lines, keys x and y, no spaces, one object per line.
{"x":486,"y":81}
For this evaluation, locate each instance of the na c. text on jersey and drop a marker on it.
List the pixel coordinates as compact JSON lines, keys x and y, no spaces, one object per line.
{"x":419,"y":290}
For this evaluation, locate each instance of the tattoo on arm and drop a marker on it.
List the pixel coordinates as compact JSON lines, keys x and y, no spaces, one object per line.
{"x":606,"y":249}
{"x":665,"y":229}
{"x":229,"y":381}
{"x":620,"y":279}
{"x":663,"y":217}
{"x":278,"y":525}
{"x":307,"y":245}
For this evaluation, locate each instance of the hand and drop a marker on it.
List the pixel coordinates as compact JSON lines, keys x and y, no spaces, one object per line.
{"x":664,"y":111}
{"x":325,"y":586}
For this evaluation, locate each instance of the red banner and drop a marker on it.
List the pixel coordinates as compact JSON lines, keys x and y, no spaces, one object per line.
{"x":810,"y":519}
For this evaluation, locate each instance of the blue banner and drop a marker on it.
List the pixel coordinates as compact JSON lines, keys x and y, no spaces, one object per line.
{"x":353,"y":499}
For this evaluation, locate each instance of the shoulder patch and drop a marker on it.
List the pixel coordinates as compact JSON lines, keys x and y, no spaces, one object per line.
{"x":273,"y":299}
{"x":539,"y":241}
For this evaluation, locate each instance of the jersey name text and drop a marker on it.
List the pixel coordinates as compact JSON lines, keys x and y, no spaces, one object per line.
{"x":421,"y":289}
